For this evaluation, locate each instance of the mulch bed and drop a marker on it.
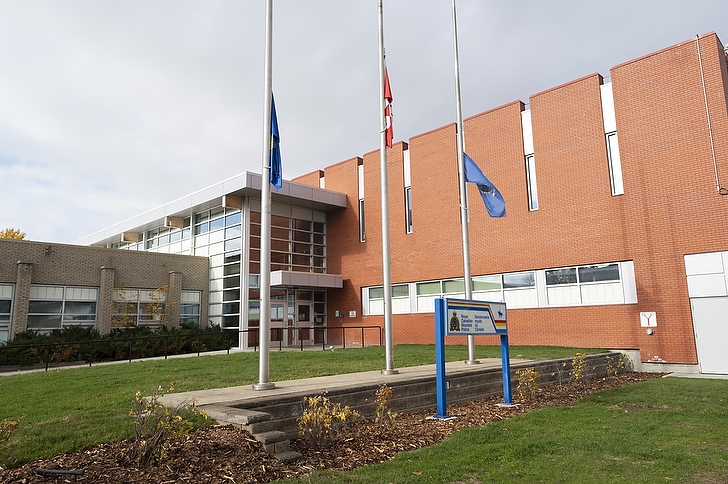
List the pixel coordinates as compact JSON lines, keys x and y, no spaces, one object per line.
{"x":224,"y":454}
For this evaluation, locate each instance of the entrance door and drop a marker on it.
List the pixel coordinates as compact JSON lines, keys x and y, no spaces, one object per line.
{"x":303,"y":314}
{"x":710,"y":323}
{"x":276,"y":321}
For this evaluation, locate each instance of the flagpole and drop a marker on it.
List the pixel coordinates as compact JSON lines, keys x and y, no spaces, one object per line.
{"x":387,"y":279}
{"x":463,"y":193}
{"x":264,"y":331}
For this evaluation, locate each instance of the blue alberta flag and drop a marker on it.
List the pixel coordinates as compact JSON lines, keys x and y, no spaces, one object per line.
{"x":494,"y":202}
{"x":276,"y":173}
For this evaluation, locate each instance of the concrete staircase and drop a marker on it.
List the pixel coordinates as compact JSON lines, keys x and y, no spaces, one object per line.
{"x":272,"y":419}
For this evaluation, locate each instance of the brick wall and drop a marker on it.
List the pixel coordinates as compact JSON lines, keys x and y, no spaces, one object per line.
{"x":670,"y":206}
{"x":72,"y":265}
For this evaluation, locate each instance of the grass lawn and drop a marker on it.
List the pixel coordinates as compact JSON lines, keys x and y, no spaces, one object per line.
{"x":658,"y":431}
{"x":67,"y":410}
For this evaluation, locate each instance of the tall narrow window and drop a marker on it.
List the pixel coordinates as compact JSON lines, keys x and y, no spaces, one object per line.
{"x":610,"y":131}
{"x":615,"y":164}
{"x":407,"y":193}
{"x":527,"y":130}
{"x":531,"y":183}
{"x":360,"y":177}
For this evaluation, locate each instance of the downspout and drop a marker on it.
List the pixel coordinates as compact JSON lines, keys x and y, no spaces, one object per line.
{"x":718,"y":188}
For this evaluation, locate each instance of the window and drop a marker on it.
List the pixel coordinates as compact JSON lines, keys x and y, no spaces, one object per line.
{"x":615,"y":164}
{"x":400,"y":299}
{"x":6,"y":303}
{"x":408,"y":209}
{"x":593,"y":284}
{"x":189,"y":308}
{"x":610,"y":130}
{"x":139,"y":307}
{"x":55,"y":307}
{"x":360,"y":178}
{"x":427,"y":292}
{"x":362,"y":233}
{"x":298,"y":240}
{"x":531,"y":183}
{"x":407,"y":193}
{"x":610,"y":283}
{"x":527,"y":131}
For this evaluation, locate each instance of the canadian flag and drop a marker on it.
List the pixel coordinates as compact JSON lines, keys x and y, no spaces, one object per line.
{"x":388,"y":109}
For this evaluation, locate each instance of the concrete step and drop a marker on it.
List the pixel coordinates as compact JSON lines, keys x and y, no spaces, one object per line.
{"x":287,"y":457}
{"x":235,"y":415}
{"x":276,"y":442}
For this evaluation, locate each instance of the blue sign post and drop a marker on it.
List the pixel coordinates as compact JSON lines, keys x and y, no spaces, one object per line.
{"x":468,"y":317}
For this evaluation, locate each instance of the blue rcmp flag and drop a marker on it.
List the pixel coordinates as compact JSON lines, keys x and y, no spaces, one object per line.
{"x":494,"y":202}
{"x":276,"y":174}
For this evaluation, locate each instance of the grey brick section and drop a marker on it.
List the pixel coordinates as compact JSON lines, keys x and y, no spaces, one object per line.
{"x":106,"y":300}
{"x":24,"y":262}
{"x":174,"y":296}
{"x":21,"y":298}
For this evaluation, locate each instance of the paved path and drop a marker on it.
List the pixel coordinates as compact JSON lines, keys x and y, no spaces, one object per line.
{"x":313,"y":386}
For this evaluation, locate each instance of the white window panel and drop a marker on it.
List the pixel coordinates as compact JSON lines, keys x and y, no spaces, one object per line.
{"x":218,"y":248}
{"x":130,"y":295}
{"x":190,"y":297}
{"x":217,"y":236}
{"x":216,"y":272}
{"x":563,"y":295}
{"x":202,"y":251}
{"x":82,"y":293}
{"x":608,"y":116}
{"x":615,"y":164}
{"x":376,"y":306}
{"x":604,"y":293}
{"x":426,"y":303}
{"x":400,"y":305}
{"x":710,"y":263}
{"x":706,"y":285}
{"x":520,"y":298}
{"x":46,"y":292}
{"x":6,"y":291}
{"x":152,"y":295}
{"x":495,"y":296}
{"x":202,"y":239}
{"x":527,"y":130}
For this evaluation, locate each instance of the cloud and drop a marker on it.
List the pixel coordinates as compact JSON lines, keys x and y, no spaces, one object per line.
{"x":109,"y":109}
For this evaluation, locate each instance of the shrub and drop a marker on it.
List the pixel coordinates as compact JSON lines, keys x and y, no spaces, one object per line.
{"x":622,"y":364}
{"x":527,"y":387}
{"x":7,"y":427}
{"x":321,"y":420}
{"x":579,"y":367}
{"x":155,"y":425}
{"x":384,"y":414}
{"x":113,"y":346}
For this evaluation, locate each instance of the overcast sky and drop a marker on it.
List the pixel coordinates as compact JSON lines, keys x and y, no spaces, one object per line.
{"x":112,"y":108}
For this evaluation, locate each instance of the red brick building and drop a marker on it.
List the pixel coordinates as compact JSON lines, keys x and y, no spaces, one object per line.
{"x":616,"y":215}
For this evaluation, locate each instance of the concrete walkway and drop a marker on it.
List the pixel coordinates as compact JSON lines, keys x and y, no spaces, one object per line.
{"x":317,"y":385}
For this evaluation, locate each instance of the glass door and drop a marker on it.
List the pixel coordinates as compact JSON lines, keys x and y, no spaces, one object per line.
{"x":303,"y":314}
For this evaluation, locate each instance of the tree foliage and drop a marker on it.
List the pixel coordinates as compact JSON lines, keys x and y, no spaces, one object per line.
{"x":11,"y":233}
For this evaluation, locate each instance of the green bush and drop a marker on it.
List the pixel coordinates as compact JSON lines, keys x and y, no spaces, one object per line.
{"x":85,"y":344}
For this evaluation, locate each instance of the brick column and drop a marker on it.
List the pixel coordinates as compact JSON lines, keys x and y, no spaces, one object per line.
{"x":19,"y":321}
{"x":106,"y":300}
{"x":174,"y":299}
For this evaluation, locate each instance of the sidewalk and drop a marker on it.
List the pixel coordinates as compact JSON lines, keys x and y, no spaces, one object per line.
{"x":312,"y":386}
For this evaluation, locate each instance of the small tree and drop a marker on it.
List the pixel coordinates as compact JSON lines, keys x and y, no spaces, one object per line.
{"x":11,"y":233}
